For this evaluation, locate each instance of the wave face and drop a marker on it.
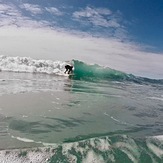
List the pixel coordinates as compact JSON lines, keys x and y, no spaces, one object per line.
{"x":83,"y":71}
{"x":26,"y":64}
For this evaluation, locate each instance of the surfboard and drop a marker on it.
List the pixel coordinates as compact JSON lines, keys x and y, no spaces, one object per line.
{"x":69,"y":74}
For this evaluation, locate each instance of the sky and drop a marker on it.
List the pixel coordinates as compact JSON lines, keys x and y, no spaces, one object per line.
{"x":123,"y":34}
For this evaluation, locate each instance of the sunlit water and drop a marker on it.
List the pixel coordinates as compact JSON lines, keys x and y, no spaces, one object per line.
{"x":103,"y":120}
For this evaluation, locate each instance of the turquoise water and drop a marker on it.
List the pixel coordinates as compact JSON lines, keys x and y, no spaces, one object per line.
{"x":96,"y":115}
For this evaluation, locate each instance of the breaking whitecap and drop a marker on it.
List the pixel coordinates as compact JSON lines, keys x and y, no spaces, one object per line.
{"x":26,"y":64}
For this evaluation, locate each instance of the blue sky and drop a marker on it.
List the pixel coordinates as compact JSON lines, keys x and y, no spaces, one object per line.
{"x":123,"y":34}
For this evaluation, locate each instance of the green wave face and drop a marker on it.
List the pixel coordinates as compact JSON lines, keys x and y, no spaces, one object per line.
{"x":83,"y":71}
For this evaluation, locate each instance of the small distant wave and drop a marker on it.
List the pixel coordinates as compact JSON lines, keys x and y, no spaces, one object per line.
{"x":26,"y":64}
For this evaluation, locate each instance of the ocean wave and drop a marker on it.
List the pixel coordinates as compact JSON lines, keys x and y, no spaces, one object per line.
{"x":86,"y":71}
{"x":94,"y":72}
{"x":82,"y":70}
{"x":116,"y":148}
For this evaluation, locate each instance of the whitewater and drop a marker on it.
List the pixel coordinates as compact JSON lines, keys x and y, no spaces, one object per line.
{"x":96,"y":115}
{"x":27,"y":64}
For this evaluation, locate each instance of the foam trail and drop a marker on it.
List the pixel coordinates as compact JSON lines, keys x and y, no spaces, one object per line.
{"x":117,"y":120}
{"x":156,"y":98}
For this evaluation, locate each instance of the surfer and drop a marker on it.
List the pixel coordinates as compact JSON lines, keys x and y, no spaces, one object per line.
{"x":69,"y":69}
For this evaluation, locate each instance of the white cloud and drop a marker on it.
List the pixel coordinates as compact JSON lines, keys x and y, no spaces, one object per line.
{"x":90,"y":12}
{"x":97,"y":16}
{"x":54,"y":11}
{"x":8,"y":10}
{"x":8,"y":14}
{"x":104,"y":11}
{"x":34,"y":9}
{"x":17,"y":15}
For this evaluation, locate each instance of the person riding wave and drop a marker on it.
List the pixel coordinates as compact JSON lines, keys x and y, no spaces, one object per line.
{"x":69,"y":69}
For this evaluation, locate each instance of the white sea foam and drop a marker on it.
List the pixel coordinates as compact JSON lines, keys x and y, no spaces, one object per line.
{"x":159,"y":137}
{"x":156,"y":98}
{"x":35,"y":155}
{"x":26,"y":140}
{"x":23,"y":139}
{"x":117,"y":120}
{"x":130,"y":148}
{"x":26,"y":64}
{"x":156,"y":150}
{"x":92,"y":157}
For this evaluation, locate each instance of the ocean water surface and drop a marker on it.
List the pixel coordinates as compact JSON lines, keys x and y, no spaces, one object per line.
{"x":95,"y":115}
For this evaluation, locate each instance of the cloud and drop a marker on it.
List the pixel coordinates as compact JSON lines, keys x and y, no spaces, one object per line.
{"x":96,"y":21}
{"x":90,"y":12}
{"x":54,"y":11}
{"x":97,"y":16}
{"x":8,"y":11}
{"x":102,"y":21}
{"x":8,"y":14}
{"x":12,"y":15}
{"x":34,"y":9}
{"x":28,"y":15}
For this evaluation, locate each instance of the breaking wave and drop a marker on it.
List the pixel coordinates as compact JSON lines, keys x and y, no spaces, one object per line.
{"x":116,"y":148}
{"x":82,"y":71}
{"x":85,"y":71}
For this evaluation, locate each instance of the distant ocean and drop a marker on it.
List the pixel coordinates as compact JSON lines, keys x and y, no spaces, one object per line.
{"x":96,"y":115}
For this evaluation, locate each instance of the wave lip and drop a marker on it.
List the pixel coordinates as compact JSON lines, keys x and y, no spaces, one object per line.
{"x":27,"y":64}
